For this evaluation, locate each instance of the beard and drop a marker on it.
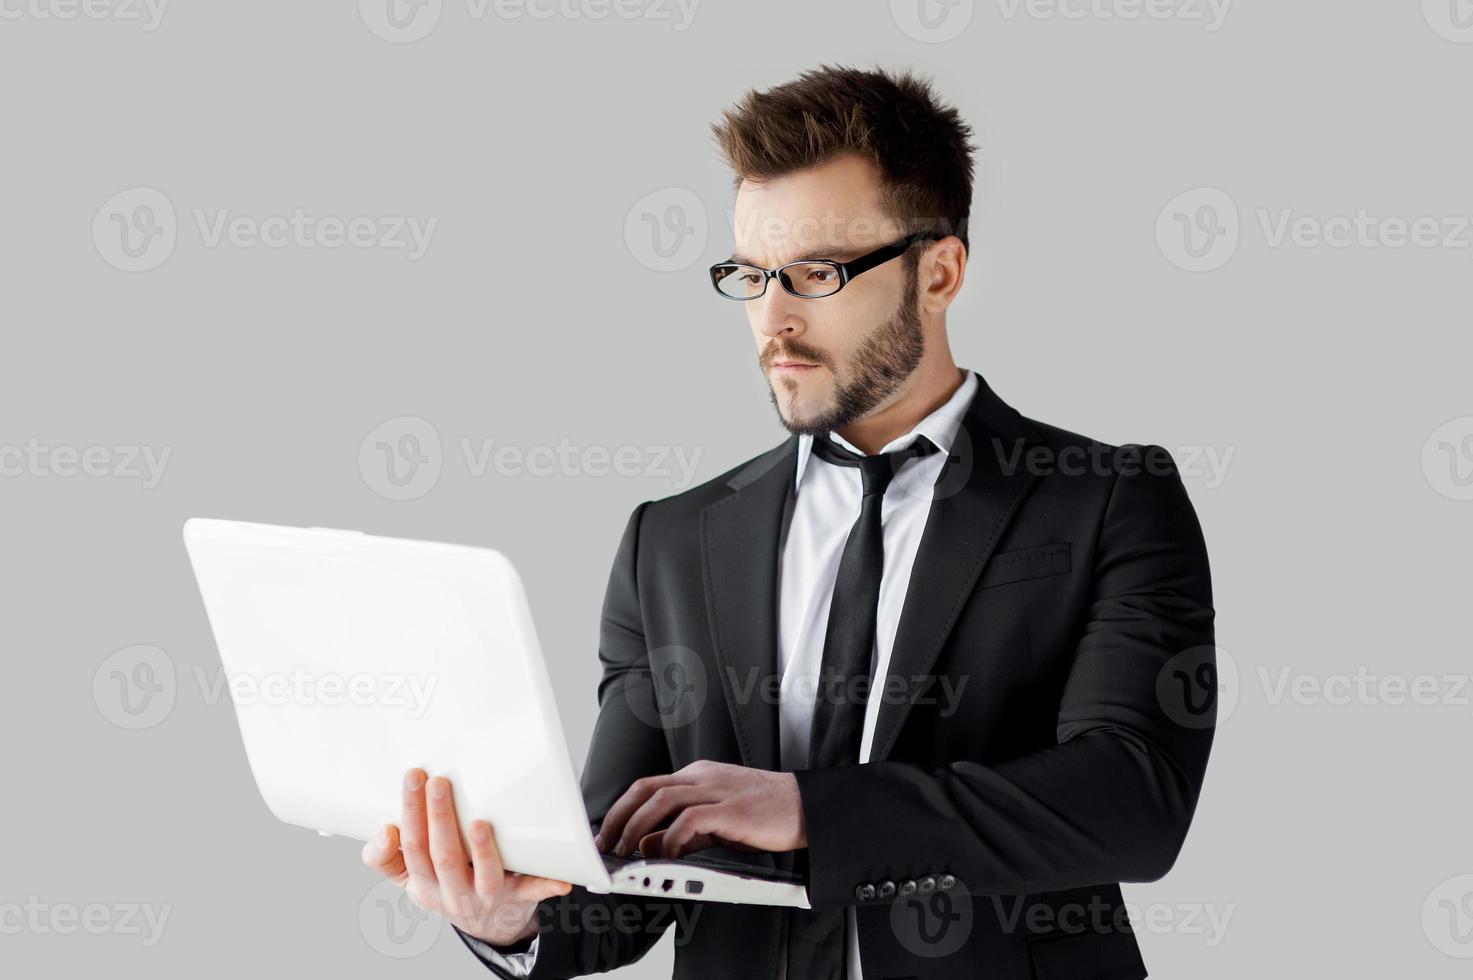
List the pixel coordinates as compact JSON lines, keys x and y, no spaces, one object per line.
{"x":874,"y":372}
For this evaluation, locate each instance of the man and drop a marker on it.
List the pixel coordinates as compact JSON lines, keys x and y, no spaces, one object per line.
{"x":956,"y":664}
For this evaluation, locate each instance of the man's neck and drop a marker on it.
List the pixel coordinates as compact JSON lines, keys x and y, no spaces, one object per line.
{"x":926,"y":391}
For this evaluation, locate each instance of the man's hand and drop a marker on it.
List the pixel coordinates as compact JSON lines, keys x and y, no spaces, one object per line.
{"x":712,"y":803}
{"x":476,"y":893}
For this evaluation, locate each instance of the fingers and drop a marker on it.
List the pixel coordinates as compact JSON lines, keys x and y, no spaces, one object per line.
{"x":382,"y":854}
{"x":656,"y":845}
{"x":652,"y":844}
{"x":452,"y":868}
{"x":530,"y":888}
{"x":702,"y":772}
{"x":492,"y":878}
{"x":695,"y":828}
{"x":656,"y":809}
{"x":414,"y":831}
{"x":486,"y":859}
{"x":612,"y":829}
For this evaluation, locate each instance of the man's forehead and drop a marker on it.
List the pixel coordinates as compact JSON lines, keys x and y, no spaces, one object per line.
{"x":765,"y":233}
{"x":833,"y":210}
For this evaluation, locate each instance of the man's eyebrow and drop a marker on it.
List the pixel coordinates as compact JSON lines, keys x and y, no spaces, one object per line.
{"x":834,"y":253}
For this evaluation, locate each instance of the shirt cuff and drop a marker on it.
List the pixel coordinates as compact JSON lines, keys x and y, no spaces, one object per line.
{"x":510,"y":962}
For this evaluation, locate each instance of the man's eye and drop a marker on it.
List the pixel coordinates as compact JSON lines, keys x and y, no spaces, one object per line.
{"x":821,"y":275}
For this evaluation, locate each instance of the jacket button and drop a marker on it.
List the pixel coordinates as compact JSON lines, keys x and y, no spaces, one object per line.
{"x":928,"y":884}
{"x":907,"y":887}
{"x":864,"y":892}
{"x":946,"y":882}
{"x":887,"y":889}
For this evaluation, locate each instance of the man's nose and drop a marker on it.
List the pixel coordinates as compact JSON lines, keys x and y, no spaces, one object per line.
{"x":777,"y":312}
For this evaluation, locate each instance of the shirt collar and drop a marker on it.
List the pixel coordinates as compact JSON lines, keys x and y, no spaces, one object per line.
{"x":940,"y":427}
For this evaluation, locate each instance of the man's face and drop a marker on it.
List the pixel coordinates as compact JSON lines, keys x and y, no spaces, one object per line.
{"x":833,"y":360}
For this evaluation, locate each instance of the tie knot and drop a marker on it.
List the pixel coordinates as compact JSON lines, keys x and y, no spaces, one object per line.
{"x":876,"y":471}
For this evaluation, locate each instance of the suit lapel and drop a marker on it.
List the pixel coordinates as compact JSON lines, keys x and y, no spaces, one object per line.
{"x":975,"y":498}
{"x":740,"y":537}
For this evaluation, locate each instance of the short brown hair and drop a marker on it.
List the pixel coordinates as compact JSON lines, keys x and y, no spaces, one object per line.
{"x":921,"y":146}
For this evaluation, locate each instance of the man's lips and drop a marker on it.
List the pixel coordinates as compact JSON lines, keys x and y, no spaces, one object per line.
{"x":795,"y":366}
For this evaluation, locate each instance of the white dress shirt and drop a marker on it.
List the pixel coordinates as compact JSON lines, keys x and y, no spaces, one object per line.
{"x":821,"y":510}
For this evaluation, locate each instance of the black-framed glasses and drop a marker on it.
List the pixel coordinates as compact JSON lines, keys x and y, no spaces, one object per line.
{"x":806,"y":278}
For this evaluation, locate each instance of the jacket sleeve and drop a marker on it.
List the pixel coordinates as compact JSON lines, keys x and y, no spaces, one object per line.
{"x":1112,"y":800}
{"x":583,"y":932}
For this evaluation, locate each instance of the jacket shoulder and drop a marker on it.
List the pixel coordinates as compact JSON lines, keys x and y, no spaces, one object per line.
{"x":693,"y":500}
{"x":1073,"y":454}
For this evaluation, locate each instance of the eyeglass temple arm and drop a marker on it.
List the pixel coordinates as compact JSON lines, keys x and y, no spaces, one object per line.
{"x":881,"y":255}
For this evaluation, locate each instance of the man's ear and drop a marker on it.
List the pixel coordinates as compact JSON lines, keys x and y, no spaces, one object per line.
{"x":943,"y":269}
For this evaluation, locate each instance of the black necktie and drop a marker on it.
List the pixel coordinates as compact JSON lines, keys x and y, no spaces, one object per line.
{"x":816,"y":944}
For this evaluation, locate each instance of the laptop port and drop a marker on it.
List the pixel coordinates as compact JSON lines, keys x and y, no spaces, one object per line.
{"x":668,"y":884}
{"x":694,"y":887}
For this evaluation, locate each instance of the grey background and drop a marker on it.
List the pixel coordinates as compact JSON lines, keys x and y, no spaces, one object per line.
{"x":1337,"y":535}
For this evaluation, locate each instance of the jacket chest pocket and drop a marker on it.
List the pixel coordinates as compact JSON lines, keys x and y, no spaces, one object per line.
{"x":1024,"y":564}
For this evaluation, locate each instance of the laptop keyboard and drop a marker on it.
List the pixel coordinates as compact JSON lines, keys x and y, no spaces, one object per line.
{"x":701,"y":859}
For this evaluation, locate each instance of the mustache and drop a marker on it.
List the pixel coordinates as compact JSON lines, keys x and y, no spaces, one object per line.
{"x":791,"y":350}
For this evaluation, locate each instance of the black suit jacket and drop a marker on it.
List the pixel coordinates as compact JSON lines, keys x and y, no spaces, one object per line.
{"x":1061,"y":589}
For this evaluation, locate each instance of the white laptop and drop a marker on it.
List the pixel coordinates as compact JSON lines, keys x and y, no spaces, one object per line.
{"x":352,"y":658}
